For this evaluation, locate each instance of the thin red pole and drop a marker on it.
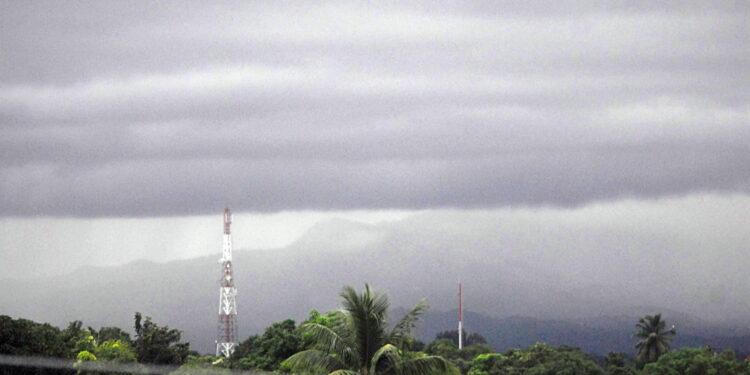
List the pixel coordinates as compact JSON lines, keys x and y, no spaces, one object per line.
{"x":459,"y":302}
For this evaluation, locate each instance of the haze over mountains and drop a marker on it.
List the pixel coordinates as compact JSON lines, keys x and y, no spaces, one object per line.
{"x":598,"y":335}
{"x":509,"y":266}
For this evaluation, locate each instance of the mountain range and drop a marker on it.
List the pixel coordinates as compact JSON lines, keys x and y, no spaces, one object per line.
{"x":597,"y":336}
{"x":515,"y":295}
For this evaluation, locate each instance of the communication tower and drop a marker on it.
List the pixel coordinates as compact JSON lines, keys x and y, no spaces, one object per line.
{"x":226,"y":338}
{"x":460,"y":320}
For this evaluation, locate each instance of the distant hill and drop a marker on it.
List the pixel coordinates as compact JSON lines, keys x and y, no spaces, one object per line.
{"x":597,"y":336}
{"x":409,"y":261}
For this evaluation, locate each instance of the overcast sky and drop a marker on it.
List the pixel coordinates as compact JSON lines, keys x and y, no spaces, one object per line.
{"x":144,"y":110}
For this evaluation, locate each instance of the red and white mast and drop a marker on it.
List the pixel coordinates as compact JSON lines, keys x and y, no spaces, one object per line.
{"x":460,"y":320}
{"x":226,"y":338}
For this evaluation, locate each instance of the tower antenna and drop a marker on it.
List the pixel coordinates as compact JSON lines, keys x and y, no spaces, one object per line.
{"x":460,"y":320}
{"x":226,"y":337}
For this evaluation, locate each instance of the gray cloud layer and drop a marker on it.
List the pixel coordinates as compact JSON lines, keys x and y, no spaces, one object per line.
{"x":123,"y":109}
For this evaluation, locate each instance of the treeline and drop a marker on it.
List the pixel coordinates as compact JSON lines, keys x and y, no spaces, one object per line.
{"x":270,"y":350}
{"x":153,"y":344}
{"x":358,"y":339}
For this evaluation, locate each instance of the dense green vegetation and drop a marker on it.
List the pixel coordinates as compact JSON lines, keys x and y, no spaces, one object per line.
{"x":358,"y":339}
{"x":697,"y":361}
{"x":158,"y":345}
{"x":539,"y":359}
{"x":153,"y":344}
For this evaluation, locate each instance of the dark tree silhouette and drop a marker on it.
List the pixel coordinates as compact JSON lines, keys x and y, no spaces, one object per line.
{"x":655,"y":339}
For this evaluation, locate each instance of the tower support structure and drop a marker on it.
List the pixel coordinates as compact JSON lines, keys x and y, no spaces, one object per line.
{"x":226,"y":337}
{"x":460,"y":320}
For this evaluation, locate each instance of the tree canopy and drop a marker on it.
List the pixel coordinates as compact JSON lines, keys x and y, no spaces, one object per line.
{"x":698,"y":361}
{"x":158,"y":345}
{"x":266,"y":352}
{"x":538,"y":359}
{"x":361,"y":343}
{"x":357,"y":339}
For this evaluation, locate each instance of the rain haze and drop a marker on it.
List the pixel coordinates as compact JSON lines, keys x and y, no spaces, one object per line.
{"x":599,"y":144}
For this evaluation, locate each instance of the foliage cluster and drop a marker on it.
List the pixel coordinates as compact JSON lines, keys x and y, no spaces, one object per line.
{"x":461,"y":358}
{"x":27,"y":338}
{"x":358,"y":339}
{"x":153,"y":345}
{"x":266,"y":352}
{"x":538,"y":359}
{"x":617,"y":364}
{"x":158,"y":345}
{"x":698,"y":361}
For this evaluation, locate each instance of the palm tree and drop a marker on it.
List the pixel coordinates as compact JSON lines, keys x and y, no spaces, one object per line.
{"x":655,"y":339}
{"x":359,"y":341}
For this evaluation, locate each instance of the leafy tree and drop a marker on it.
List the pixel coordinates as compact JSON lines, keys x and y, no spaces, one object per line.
{"x":448,"y":349}
{"x":444,"y":347}
{"x":327,"y":320}
{"x":243,"y":350}
{"x":539,"y":359}
{"x":85,"y":343}
{"x":26,"y":337}
{"x":697,"y":361}
{"x":116,"y":351}
{"x":655,"y":339}
{"x":278,"y":342}
{"x":616,"y":364}
{"x":46,"y":341}
{"x":158,"y":345}
{"x":360,"y":342}
{"x":71,"y":336}
{"x":470,"y":352}
{"x":111,"y":333}
{"x":486,"y":364}
{"x":615,"y":359}
{"x":315,"y":317}
{"x":97,"y":358}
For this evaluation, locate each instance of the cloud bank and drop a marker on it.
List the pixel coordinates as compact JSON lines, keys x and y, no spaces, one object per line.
{"x":124,"y":109}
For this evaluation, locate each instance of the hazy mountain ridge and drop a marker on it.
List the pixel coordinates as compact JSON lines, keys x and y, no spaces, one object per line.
{"x":611,"y":334}
{"x":410,"y":260}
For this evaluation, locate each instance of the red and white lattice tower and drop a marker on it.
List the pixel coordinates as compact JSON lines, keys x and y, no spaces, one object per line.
{"x":226,"y":338}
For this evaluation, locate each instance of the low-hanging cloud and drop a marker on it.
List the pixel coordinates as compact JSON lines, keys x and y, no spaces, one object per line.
{"x":346,"y":106}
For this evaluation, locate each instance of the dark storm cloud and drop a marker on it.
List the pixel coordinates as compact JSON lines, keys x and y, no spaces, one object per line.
{"x":116,"y":109}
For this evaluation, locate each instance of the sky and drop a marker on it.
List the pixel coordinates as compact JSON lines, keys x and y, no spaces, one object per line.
{"x":143,"y":120}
